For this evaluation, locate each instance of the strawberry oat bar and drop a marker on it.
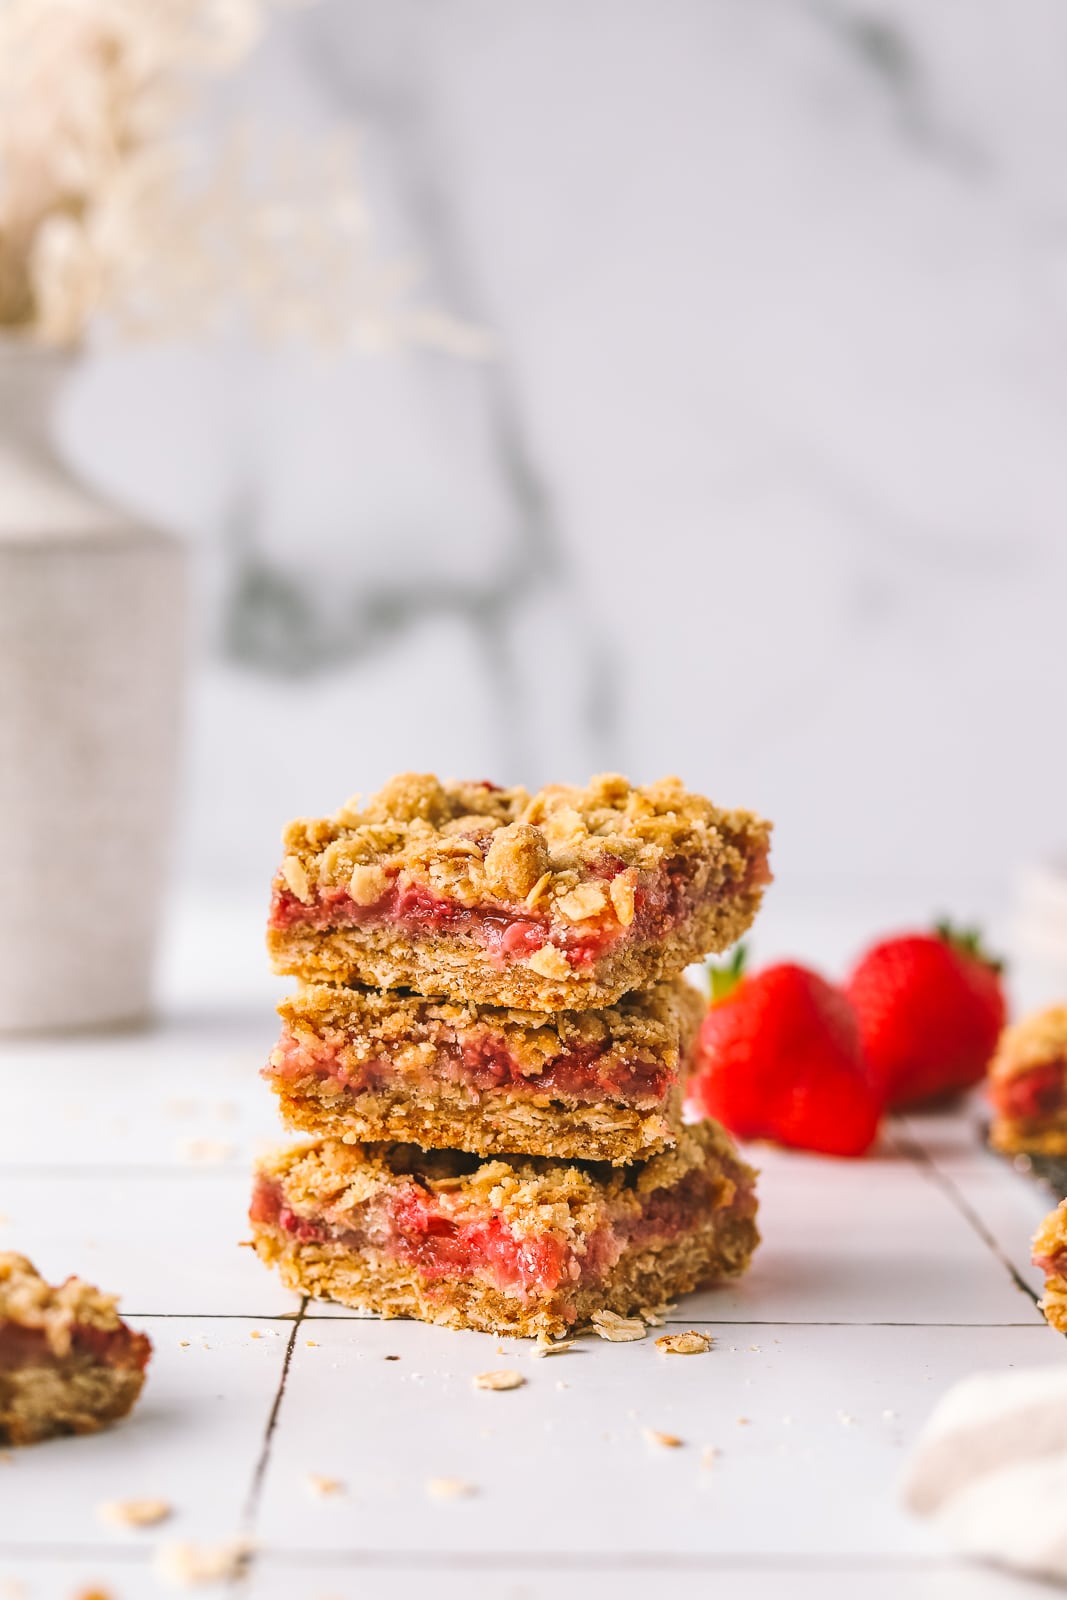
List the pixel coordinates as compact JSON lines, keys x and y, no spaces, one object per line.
{"x":563,"y":900}
{"x":68,"y":1362}
{"x":366,"y":1064}
{"x":1028,"y":1086}
{"x":525,"y":1246}
{"x":1050,"y":1254}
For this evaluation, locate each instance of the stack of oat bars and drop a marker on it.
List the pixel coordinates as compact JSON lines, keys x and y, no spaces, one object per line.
{"x":489,"y":1044}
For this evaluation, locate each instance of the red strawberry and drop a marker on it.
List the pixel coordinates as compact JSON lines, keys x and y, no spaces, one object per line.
{"x":930,"y":1009}
{"x":779,"y":1058}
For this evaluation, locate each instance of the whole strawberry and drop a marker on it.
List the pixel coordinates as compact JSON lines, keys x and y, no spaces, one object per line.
{"x":930,"y":1009}
{"x":779,"y":1058}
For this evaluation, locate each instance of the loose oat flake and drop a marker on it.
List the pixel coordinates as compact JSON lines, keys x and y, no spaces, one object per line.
{"x":320,"y":1485}
{"x":133,"y":1513}
{"x":617,"y":1330}
{"x":684,"y":1344}
{"x":505,"y":1378}
{"x":668,"y":1441}
{"x":550,"y":1347}
{"x":449,"y":1488}
{"x":184,"y":1564}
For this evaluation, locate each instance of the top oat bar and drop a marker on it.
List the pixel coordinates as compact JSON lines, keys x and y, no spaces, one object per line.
{"x":565,"y":899}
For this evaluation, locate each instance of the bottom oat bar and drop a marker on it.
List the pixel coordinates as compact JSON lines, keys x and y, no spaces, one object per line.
{"x":68,"y":1362}
{"x":1050,"y":1254}
{"x":1028,"y":1086}
{"x":383,"y":1065}
{"x":524,"y":1246}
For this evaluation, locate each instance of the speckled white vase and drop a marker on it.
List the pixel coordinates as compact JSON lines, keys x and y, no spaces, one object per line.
{"x":92,"y":624}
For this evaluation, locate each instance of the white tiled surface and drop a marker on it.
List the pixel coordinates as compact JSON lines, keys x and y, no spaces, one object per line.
{"x":879,"y":1283}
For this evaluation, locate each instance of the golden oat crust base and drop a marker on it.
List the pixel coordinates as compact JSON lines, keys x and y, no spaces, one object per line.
{"x":532,"y":1195}
{"x":67,"y":1390}
{"x":362,"y":1026}
{"x":554,"y":856}
{"x":1050,"y":1242}
{"x":1036,"y":1041}
{"x":486,"y":1122}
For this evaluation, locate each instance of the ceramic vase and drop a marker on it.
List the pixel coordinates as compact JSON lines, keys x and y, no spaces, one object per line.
{"x":92,"y":636}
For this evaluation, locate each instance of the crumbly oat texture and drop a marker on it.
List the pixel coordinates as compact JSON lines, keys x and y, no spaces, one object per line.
{"x":1032,"y":1049}
{"x":562,"y":900}
{"x":1050,"y":1254}
{"x":323,"y":1229}
{"x":68,"y":1362}
{"x":367,"y":1065}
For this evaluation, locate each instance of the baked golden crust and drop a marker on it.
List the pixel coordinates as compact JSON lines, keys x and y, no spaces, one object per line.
{"x":369,"y":1065}
{"x":617,"y":1239}
{"x":68,"y":1362}
{"x":561,"y":900}
{"x":1050,"y":1254}
{"x":1028,"y":1086}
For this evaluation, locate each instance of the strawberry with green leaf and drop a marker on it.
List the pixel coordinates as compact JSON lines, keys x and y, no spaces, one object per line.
{"x":930,"y":1007}
{"x":779,"y":1058}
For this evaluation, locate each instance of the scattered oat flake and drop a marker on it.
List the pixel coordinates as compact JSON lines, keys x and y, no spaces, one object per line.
{"x":133,"y":1513}
{"x":617,"y":1330}
{"x":845,"y":1420}
{"x":550,"y":1347}
{"x":206,"y":1150}
{"x":449,"y":1488}
{"x":668,"y":1441}
{"x":324,"y":1486}
{"x":184,"y":1343}
{"x":562,"y":1384}
{"x":255,"y":1334}
{"x":684,"y":1344}
{"x":505,"y":1378}
{"x":888,"y":1416}
{"x":755,"y":1347}
{"x":185,"y":1564}
{"x":709,"y":1455}
{"x":312,"y":1344}
{"x":743,"y":1422}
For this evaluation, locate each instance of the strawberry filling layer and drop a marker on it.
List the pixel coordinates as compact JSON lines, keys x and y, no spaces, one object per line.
{"x":1053,"y":1266}
{"x":661,"y":902}
{"x":110,"y":1347}
{"x":412,"y":1225}
{"x":478,"y":1062}
{"x":1032,"y":1096}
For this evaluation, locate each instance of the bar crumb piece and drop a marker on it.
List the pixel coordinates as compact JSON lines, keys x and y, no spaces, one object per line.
{"x":665,"y":1441}
{"x":547,"y":1346}
{"x":183,"y":1565}
{"x":320,"y":1485}
{"x":617,"y":1330}
{"x":503,"y":1378}
{"x":449,"y":1489}
{"x":133,"y":1513}
{"x":684,"y":1344}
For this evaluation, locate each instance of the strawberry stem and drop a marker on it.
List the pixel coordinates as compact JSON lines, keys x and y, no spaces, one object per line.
{"x":968,"y":941}
{"x":724,"y":977}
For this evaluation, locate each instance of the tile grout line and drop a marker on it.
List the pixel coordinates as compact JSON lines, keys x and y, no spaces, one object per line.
{"x":251,"y":1506}
{"x":910,"y":1147}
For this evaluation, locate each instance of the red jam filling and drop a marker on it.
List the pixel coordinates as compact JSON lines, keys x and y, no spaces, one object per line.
{"x":1053,"y":1266}
{"x":110,"y":1347}
{"x":481,"y":1063}
{"x":1029,"y":1096}
{"x":661,"y":902}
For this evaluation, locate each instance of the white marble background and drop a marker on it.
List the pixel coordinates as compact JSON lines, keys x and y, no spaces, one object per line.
{"x":766,"y":486}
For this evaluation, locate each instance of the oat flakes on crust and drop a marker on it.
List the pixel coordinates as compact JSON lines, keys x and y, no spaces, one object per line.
{"x":1050,"y":1254}
{"x":566,"y":854}
{"x":53,"y":1378}
{"x":1031,"y":1042}
{"x":1026,"y":1046}
{"x":563,"y":1201}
